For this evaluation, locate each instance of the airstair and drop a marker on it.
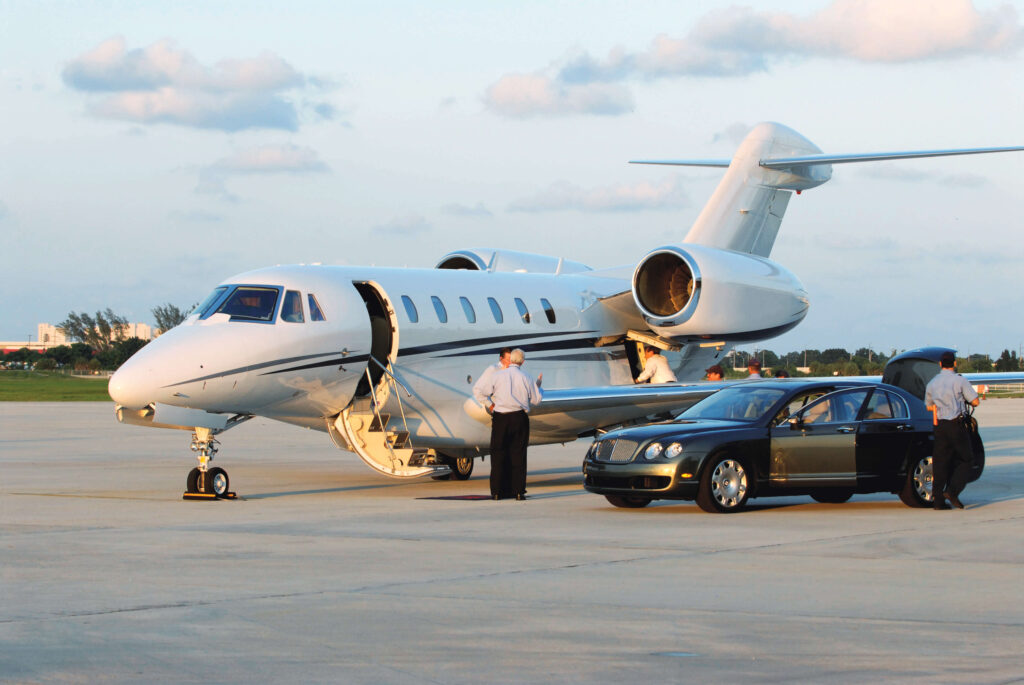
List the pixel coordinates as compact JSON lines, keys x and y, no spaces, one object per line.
{"x":365,"y":427}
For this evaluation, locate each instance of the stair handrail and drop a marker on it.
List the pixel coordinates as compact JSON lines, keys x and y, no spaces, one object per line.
{"x":386,"y":370}
{"x":376,"y":411}
{"x":401,"y":406}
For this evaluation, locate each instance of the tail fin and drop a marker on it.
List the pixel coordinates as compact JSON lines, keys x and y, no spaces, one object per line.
{"x":747,"y":207}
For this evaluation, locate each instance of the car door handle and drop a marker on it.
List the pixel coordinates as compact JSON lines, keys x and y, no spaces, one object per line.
{"x":845,"y":429}
{"x":904,"y":427}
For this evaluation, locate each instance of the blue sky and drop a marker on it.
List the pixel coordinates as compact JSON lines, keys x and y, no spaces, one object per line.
{"x":149,"y":150}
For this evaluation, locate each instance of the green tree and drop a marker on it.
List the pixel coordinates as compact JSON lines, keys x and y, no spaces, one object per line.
{"x":834,"y":355}
{"x":46,"y":364}
{"x":99,"y":332}
{"x":1008,"y":361}
{"x":168,"y":316}
{"x":119,"y":352}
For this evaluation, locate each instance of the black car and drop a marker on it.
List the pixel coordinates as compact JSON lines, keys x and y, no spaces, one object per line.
{"x":829,"y":440}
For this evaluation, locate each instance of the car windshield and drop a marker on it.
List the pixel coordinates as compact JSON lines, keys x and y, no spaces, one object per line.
{"x":735,"y":404}
{"x":251,"y":303}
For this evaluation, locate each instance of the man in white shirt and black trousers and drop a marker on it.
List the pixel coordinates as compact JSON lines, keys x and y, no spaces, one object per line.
{"x":508,"y":395}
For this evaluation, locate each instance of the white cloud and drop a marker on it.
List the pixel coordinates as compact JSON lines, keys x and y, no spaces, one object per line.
{"x":264,"y":159}
{"x":524,"y":95}
{"x":666,"y":194}
{"x":404,"y":226}
{"x":272,"y":159}
{"x":457,"y":209}
{"x":164,"y":84}
{"x":740,"y":41}
{"x":890,"y":172}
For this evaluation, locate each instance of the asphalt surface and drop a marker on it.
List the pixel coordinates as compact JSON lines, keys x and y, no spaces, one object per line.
{"x":325,"y":572}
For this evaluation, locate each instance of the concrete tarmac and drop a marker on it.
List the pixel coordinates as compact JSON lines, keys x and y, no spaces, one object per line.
{"x":326,"y":572}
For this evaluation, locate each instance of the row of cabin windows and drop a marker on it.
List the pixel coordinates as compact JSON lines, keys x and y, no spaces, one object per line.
{"x":470,"y":312}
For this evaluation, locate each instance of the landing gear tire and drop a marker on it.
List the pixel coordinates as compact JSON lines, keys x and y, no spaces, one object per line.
{"x":627,"y":502}
{"x":461,"y":468}
{"x":192,"y":481}
{"x":917,"y":490}
{"x":724,"y":485}
{"x":217,"y":481}
{"x":832,"y":496}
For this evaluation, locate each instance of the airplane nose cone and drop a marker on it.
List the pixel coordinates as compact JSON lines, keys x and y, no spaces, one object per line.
{"x":129,"y":387}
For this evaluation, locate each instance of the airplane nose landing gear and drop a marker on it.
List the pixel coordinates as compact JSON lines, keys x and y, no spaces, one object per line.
{"x":204,"y":482}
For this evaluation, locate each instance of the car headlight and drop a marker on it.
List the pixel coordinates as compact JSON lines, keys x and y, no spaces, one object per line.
{"x":653,"y":451}
{"x":673,"y":450}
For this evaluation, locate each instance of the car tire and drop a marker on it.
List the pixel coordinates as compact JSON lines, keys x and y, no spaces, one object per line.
{"x":627,"y":502}
{"x":725,"y":485}
{"x":832,"y":496}
{"x":917,"y":489}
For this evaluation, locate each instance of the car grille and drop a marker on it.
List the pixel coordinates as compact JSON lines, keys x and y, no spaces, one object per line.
{"x":619,"y":450}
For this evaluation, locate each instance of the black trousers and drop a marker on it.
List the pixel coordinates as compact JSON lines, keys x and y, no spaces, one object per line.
{"x":951,"y":459}
{"x":510,"y":433}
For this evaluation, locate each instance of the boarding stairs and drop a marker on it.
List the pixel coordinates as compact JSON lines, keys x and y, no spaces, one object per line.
{"x":365,"y":427}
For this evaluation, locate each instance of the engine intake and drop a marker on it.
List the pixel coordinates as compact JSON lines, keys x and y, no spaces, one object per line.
{"x":695,"y":292}
{"x":666,"y":285}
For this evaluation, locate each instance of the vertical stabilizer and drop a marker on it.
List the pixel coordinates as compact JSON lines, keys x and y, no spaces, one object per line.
{"x":747,"y":207}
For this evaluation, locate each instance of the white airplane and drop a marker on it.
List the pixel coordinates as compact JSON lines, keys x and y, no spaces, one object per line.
{"x":384,"y":359}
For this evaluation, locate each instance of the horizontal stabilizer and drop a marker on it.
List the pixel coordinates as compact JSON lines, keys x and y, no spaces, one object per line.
{"x":805,"y":160}
{"x":717,"y":163}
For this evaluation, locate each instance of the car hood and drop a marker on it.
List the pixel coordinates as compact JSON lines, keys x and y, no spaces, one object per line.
{"x":674,"y":429}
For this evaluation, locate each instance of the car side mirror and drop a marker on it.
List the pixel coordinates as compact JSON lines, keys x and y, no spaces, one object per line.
{"x":796,"y":422}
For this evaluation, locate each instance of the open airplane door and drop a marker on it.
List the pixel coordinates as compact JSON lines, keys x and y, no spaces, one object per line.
{"x":366,"y":426}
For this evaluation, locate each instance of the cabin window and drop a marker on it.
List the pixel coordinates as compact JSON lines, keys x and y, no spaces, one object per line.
{"x":315,"y":313}
{"x":210,"y":301}
{"x":549,"y":311}
{"x":523,"y":311}
{"x":496,"y":310}
{"x":251,"y":303}
{"x":410,"y":309}
{"x":467,"y":307}
{"x":291,"y":311}
{"x":442,"y":313}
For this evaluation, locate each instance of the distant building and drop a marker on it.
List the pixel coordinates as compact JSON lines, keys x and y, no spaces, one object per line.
{"x":49,"y":336}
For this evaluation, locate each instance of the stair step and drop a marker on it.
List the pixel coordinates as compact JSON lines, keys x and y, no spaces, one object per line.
{"x":362,"y":404}
{"x":379,"y":423}
{"x":399,"y":439}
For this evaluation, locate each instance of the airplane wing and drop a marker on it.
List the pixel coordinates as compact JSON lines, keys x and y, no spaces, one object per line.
{"x":584,"y":408}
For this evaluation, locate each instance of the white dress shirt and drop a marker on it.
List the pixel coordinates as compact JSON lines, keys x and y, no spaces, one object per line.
{"x":656,"y":369}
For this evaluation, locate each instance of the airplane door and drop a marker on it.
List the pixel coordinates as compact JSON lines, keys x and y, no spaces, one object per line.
{"x":818,"y":445}
{"x":384,"y":334}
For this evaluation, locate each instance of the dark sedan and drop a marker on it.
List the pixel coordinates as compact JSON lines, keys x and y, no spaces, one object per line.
{"x":829,"y":440}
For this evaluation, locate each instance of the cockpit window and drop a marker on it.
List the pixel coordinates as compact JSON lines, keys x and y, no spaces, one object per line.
{"x":315,"y":313}
{"x":251,"y":303}
{"x":210,"y":301}
{"x":292,"y":309}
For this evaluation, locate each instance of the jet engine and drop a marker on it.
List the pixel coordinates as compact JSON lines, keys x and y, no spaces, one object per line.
{"x":694,"y":292}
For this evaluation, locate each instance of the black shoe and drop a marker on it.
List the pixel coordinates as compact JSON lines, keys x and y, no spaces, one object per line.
{"x":954,"y":500}
{"x":521,"y":496}
{"x":941,"y":506}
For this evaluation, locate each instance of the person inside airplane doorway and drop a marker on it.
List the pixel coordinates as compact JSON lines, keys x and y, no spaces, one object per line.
{"x":508,"y":395}
{"x":656,"y":368}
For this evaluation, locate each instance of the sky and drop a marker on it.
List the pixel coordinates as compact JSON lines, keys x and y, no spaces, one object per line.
{"x":150,"y":150}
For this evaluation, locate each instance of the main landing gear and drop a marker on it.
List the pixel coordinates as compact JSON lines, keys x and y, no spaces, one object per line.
{"x":204,"y":482}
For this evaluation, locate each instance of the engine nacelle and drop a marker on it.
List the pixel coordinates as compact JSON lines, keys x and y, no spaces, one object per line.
{"x":490,"y":259}
{"x":693,"y":292}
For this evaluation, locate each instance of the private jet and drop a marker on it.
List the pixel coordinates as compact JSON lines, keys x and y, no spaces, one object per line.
{"x":383,"y":360}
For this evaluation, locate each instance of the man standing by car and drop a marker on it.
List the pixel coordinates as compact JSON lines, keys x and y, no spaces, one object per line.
{"x":511,"y":393}
{"x":947,"y":397}
{"x":754,"y":367}
{"x":714,"y":373}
